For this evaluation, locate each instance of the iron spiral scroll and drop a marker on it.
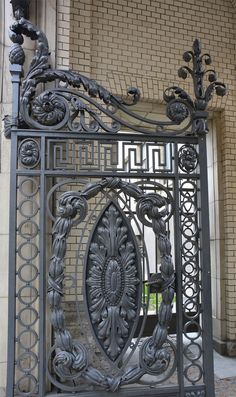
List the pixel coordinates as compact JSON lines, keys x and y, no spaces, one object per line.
{"x":71,"y":360}
{"x":79,"y":104}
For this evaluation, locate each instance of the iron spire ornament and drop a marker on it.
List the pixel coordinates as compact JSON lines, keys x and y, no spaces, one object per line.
{"x":203,"y":94}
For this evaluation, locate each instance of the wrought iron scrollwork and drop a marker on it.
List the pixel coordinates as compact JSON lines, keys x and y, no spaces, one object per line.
{"x":188,"y":158}
{"x":78,"y":104}
{"x":29,"y":153}
{"x":151,"y":209}
{"x":71,"y":359}
{"x":81,"y":105}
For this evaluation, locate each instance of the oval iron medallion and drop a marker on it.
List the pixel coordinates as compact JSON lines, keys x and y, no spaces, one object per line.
{"x":113,"y":282}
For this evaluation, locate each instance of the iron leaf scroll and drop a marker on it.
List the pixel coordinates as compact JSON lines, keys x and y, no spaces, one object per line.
{"x":79,"y":104}
{"x":113,"y":266}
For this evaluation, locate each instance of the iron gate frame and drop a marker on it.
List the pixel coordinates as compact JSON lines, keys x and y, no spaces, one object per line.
{"x":22,"y":125}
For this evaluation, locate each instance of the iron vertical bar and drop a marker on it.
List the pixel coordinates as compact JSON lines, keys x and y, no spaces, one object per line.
{"x":12,"y":271}
{"x":42,"y":279}
{"x":206,"y":272}
{"x":16,"y":73}
{"x":178,"y":269}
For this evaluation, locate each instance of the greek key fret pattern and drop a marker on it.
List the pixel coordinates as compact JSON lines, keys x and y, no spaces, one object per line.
{"x":102,"y":156}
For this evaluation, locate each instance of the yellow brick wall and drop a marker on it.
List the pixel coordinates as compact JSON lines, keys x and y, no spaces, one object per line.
{"x":81,"y":35}
{"x":63,"y":34}
{"x":144,"y":41}
{"x":123,"y":43}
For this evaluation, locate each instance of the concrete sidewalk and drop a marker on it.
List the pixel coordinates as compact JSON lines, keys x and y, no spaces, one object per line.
{"x":225,"y":376}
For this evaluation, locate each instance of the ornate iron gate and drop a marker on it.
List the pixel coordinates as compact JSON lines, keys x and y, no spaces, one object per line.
{"x":131,"y":232}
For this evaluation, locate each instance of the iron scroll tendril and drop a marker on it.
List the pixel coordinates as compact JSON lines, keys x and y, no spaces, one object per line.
{"x":71,"y":361}
{"x":83,"y":105}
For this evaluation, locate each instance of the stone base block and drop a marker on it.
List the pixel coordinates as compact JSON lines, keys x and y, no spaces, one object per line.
{"x":231,"y":348}
{"x":225,"y":348}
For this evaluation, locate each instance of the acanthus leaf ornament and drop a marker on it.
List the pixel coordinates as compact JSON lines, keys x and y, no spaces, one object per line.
{"x":7,"y":120}
{"x":112,"y":282}
{"x":20,"y":8}
{"x":82,"y":95}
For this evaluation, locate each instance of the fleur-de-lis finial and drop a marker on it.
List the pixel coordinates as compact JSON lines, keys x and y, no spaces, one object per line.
{"x":203,"y":93}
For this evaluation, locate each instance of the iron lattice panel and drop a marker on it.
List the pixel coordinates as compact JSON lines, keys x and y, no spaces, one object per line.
{"x":182,"y":184}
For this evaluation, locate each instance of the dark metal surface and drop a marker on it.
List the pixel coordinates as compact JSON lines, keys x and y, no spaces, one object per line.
{"x":83,"y":110}
{"x":113,"y":281}
{"x":114,"y":316}
{"x":131,"y":176}
{"x":20,"y":8}
{"x":143,"y":392}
